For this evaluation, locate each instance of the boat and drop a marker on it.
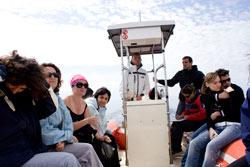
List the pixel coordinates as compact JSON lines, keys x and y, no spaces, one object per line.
{"x":145,"y":140}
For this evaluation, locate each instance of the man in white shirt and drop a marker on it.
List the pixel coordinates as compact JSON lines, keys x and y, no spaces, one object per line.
{"x":136,"y":80}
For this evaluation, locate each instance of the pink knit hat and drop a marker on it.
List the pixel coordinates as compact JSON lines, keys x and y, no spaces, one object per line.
{"x":77,"y":78}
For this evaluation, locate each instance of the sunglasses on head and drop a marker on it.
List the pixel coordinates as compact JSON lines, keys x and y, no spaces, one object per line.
{"x":50,"y":74}
{"x":80,"y":85}
{"x":225,"y":80}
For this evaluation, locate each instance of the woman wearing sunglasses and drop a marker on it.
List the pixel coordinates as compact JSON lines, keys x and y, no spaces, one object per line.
{"x":85,"y":125}
{"x":57,"y":129}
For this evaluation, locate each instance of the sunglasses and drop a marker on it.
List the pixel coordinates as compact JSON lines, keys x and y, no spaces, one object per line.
{"x":226,"y":80}
{"x":80,"y":85}
{"x":50,"y":74}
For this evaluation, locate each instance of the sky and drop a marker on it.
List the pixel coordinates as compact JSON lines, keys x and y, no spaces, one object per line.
{"x":73,"y":35}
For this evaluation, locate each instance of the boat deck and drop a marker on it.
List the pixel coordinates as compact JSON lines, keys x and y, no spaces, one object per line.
{"x":177,"y":159}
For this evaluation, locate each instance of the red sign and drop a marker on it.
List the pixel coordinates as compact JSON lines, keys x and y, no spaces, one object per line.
{"x":124,"y":34}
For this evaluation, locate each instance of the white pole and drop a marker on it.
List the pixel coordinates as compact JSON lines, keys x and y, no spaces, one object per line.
{"x":139,"y":2}
{"x":167,"y":101}
{"x":124,"y":103}
{"x":154,"y":74}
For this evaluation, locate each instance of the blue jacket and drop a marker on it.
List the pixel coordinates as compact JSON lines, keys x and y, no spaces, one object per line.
{"x":245,"y":125}
{"x":99,"y":112}
{"x":58,"y":126}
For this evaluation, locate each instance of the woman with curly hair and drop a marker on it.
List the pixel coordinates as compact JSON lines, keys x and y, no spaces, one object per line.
{"x":24,"y":100}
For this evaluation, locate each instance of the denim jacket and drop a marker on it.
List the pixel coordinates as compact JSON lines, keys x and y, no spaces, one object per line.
{"x":58,"y":126}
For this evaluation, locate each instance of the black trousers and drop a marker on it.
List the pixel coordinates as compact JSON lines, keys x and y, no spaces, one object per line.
{"x":177,"y":130}
{"x":107,"y":162}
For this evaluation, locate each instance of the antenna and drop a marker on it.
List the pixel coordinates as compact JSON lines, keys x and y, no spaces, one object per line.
{"x":140,"y":15}
{"x":139,"y":2}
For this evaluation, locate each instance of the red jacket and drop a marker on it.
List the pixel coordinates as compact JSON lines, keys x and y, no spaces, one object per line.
{"x":194,"y":111}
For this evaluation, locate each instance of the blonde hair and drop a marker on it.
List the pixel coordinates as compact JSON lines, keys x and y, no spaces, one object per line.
{"x":210,"y":77}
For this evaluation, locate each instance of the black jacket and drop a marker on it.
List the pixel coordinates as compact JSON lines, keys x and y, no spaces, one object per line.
{"x":229,"y":108}
{"x":185,"y":77}
{"x":20,"y":131}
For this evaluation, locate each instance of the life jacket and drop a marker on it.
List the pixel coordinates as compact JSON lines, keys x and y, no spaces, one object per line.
{"x":230,"y":153}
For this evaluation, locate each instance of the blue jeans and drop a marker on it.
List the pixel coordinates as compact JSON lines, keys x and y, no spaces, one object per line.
{"x":194,"y":135}
{"x":226,"y":135}
{"x":60,"y":159}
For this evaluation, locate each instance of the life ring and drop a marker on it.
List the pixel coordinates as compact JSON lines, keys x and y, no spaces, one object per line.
{"x":119,"y":135}
{"x":230,"y":153}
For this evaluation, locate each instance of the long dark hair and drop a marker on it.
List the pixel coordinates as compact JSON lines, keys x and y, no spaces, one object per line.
{"x":58,"y":72}
{"x":102,"y":91}
{"x":25,"y":71}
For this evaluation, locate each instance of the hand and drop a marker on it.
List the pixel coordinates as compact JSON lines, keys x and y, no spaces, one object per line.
{"x":75,"y":140}
{"x":229,"y":89}
{"x":138,"y":98}
{"x":60,"y":146}
{"x":224,"y":95}
{"x":92,"y":120}
{"x":106,"y":139}
{"x":212,"y":133}
{"x":179,"y":117}
{"x":103,"y":138}
{"x":128,"y":99}
{"x":215,"y":114}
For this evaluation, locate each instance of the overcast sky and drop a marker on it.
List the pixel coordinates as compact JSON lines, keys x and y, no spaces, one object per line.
{"x":73,"y":35}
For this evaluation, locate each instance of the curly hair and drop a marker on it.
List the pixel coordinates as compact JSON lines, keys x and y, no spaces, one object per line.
{"x":58,"y":72}
{"x":25,"y":71}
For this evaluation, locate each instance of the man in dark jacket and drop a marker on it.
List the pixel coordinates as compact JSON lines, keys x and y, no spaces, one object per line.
{"x":236,"y":95}
{"x":188,"y":75}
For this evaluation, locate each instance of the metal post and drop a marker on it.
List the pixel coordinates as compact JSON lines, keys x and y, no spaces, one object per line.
{"x":154,"y":74}
{"x":129,"y":70}
{"x":167,"y":100}
{"x":124,"y":103}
